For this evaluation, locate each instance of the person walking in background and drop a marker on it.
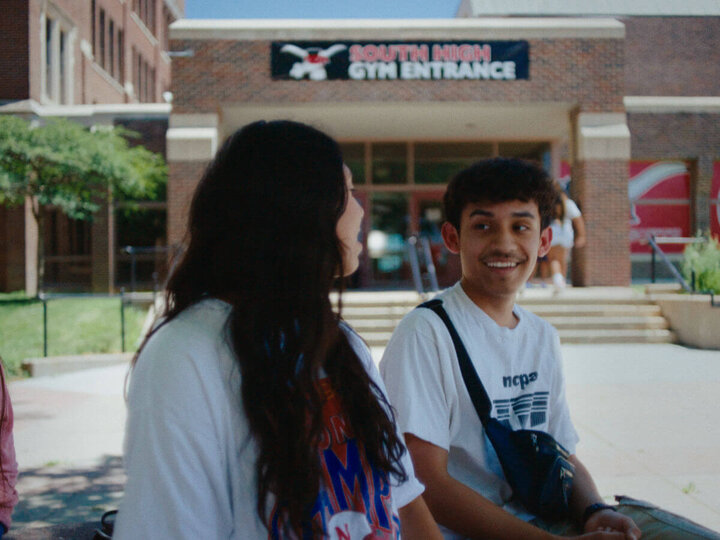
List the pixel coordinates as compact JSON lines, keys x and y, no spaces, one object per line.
{"x":254,"y":411}
{"x":8,"y":464}
{"x":568,"y":231}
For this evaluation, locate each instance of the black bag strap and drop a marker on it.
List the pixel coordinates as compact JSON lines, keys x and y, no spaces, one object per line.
{"x":475,"y":388}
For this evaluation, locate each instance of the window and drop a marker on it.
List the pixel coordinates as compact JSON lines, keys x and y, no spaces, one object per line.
{"x":56,"y":81}
{"x":101,"y":36}
{"x":63,"y":69}
{"x":121,"y":56}
{"x":389,"y":163}
{"x":145,"y":9}
{"x":93,"y":28}
{"x":354,"y":156}
{"x":437,"y":163}
{"x":49,"y":59}
{"x":111,"y":48}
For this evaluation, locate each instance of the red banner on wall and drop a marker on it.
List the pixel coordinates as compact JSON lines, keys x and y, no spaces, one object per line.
{"x":715,"y":201}
{"x":659,"y":193}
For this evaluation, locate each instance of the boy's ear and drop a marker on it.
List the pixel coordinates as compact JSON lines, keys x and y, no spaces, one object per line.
{"x":451,"y":237}
{"x":545,"y":241}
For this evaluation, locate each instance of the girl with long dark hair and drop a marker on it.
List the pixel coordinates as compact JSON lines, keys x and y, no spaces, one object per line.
{"x":253,"y":410}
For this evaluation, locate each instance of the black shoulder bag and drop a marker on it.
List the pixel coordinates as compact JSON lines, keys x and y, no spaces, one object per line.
{"x":535,"y":465}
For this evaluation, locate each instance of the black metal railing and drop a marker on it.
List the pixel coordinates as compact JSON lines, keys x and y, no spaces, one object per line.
{"x":655,"y":241}
{"x":424,"y":281}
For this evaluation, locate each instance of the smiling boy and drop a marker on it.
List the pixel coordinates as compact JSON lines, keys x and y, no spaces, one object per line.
{"x":498,"y":215}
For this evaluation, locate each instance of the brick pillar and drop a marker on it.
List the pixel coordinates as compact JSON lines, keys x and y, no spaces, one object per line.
{"x":191,"y":144}
{"x":601,"y":153}
{"x":183,"y":178}
{"x":701,"y":182}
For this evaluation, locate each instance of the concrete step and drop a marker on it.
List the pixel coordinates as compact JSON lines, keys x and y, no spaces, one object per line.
{"x":561,"y":323}
{"x":582,"y":315}
{"x":617,"y":336}
{"x":608,"y":323}
{"x":593,"y":310}
{"x":375,"y":312}
{"x":379,"y":338}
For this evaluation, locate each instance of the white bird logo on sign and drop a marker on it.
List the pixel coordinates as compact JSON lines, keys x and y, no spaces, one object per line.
{"x":313,"y":61}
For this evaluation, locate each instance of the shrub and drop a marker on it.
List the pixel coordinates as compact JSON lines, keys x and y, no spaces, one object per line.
{"x":704,"y":260}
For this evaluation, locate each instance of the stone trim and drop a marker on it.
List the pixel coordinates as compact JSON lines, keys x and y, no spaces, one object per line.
{"x":672,"y":104}
{"x":397,"y":29}
{"x":191,"y":144}
{"x":196,"y":120}
{"x":603,"y":136}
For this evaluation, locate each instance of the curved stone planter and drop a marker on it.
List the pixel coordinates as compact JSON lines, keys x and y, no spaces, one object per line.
{"x":695,"y":322}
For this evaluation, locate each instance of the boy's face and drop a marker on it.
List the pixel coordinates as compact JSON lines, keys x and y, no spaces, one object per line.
{"x":498,"y":244}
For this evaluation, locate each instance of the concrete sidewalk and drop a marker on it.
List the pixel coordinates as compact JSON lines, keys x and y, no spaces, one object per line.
{"x":647,"y":416}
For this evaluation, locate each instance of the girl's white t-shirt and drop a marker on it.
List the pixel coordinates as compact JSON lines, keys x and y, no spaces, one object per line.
{"x":190,"y":457}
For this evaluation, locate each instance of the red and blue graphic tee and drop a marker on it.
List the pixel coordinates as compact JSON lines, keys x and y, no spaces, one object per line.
{"x":354,"y":502}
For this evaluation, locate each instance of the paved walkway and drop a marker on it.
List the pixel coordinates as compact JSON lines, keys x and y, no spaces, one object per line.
{"x":647,"y":416}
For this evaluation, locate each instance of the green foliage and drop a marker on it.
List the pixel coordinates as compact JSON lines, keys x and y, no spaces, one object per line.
{"x":72,"y":167}
{"x":704,"y":260}
{"x":75,"y":326}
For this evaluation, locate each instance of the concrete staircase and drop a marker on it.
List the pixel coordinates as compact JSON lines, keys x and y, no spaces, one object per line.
{"x":581,"y":315}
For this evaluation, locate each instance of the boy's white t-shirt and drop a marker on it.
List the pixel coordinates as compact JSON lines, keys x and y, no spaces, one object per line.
{"x":189,"y":454}
{"x":520,"y":369}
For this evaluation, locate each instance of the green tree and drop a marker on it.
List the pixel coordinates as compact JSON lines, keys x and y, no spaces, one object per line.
{"x":72,"y":168}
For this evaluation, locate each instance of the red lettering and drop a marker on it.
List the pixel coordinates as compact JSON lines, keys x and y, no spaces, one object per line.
{"x":402,"y":52}
{"x":443,"y":52}
{"x":325,"y":440}
{"x":466,"y":53}
{"x":356,"y":53}
{"x":340,"y":429}
{"x":420,"y":54}
{"x":483,"y":53}
{"x":343,"y":535}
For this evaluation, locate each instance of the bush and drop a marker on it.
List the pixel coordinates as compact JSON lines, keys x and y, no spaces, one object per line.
{"x":704,"y":260}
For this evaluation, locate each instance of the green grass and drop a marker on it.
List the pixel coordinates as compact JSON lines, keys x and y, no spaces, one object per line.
{"x":75,"y":326}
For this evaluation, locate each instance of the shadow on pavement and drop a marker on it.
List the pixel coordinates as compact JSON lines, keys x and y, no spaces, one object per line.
{"x":60,"y":495}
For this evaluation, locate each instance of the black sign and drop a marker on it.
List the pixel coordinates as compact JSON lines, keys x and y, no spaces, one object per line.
{"x":400,"y":60}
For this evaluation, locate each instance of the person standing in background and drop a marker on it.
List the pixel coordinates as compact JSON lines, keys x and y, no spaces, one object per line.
{"x":568,"y":231}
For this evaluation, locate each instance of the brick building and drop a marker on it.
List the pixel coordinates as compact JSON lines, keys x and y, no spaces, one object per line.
{"x":672,"y":106}
{"x":623,"y":103}
{"x":96,"y":62}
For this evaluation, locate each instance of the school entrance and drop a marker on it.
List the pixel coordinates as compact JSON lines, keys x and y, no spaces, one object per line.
{"x":401,"y":185}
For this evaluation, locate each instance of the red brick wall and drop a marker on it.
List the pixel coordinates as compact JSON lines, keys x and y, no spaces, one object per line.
{"x":151,"y":132}
{"x":185,"y":176}
{"x":600,"y":189}
{"x":14,"y":66}
{"x":588,"y":72}
{"x":90,"y":85}
{"x":672,"y":56}
{"x":685,"y":136}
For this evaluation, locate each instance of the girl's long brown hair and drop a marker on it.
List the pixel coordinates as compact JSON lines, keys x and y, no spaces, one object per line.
{"x":262,"y":236}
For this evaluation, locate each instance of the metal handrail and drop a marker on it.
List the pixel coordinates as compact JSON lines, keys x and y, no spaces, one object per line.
{"x":134,"y":251}
{"x":655,"y":242}
{"x":656,"y":249}
{"x":431,"y":273}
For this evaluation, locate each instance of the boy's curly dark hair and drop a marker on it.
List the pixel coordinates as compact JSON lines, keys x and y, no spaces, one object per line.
{"x":497,"y":180}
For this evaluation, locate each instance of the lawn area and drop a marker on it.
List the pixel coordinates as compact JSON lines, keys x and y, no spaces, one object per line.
{"x":75,"y":326}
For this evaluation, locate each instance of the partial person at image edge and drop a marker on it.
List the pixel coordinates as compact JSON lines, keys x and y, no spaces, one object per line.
{"x":8,"y":463}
